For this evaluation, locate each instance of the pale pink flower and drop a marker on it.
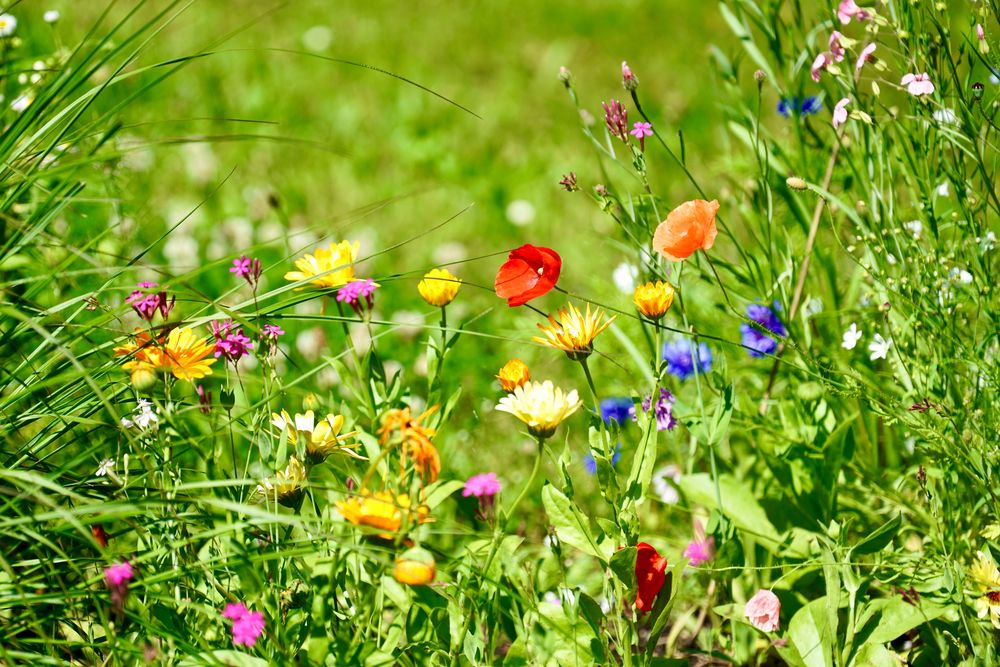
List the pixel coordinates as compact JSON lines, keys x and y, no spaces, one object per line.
{"x":918,"y":84}
{"x":864,"y":56}
{"x":849,"y":9}
{"x":821,"y":63}
{"x":836,"y":48}
{"x":763,"y":610}
{"x":840,"y":112}
{"x":980,"y":32}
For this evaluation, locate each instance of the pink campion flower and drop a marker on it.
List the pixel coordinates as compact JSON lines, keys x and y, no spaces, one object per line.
{"x":821,"y":62}
{"x":640,"y":131}
{"x":248,"y":269}
{"x":701,"y":549}
{"x":353,"y":292}
{"x":272,"y":331}
{"x":147,"y":304}
{"x":119,"y":574}
{"x":231,"y":342}
{"x":629,"y":80}
{"x":849,"y":9}
{"x":204,"y":399}
{"x":865,"y":56}
{"x":840,"y":112}
{"x":247,"y":625}
{"x":483,"y":484}
{"x":836,"y":48}
{"x":763,"y":610}
{"x":616,"y":118}
{"x":918,"y":84}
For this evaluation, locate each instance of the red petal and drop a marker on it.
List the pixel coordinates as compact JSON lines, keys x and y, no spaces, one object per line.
{"x":514,"y":278}
{"x":545,"y":265}
{"x":650,"y":574}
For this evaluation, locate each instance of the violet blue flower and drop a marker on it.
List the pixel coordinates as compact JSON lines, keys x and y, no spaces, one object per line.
{"x":680,"y":357}
{"x":663,"y":410}
{"x":760,"y":344}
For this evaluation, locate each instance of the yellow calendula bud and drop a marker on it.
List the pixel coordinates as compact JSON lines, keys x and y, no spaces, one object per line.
{"x":415,"y":567}
{"x":439,"y":287}
{"x":311,"y":402}
{"x":653,"y":299}
{"x":513,"y":374}
{"x":143,"y":379}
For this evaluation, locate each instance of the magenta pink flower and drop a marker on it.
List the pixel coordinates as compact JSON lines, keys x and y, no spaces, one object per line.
{"x":248,"y":269}
{"x":836,"y":48}
{"x":918,"y":84}
{"x":849,"y":9}
{"x":865,"y":56}
{"x":204,"y":399}
{"x":840,"y":112}
{"x":353,"y":292}
{"x":272,"y":331}
{"x":247,"y":625}
{"x":483,"y":484}
{"x":230,"y":341}
{"x":629,"y":80}
{"x":822,"y":61}
{"x":980,"y":32}
{"x":763,"y":610}
{"x":616,"y":118}
{"x":119,"y":574}
{"x":147,"y":304}
{"x":700,"y":550}
{"x":640,"y":131}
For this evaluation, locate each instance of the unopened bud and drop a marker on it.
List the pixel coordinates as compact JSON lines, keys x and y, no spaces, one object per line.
{"x":795,"y":183}
{"x":977,"y":90}
{"x":311,"y":402}
{"x":143,"y":379}
{"x":759,"y":76}
{"x":565,"y":76}
{"x":629,"y":81}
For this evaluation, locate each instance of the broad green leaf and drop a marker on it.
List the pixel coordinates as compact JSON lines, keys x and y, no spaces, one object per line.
{"x":879,"y":538}
{"x":572,"y":526}
{"x":894,"y":617}
{"x":812,"y":634}
{"x":738,"y":504}
{"x":623,"y":565}
{"x":439,"y":491}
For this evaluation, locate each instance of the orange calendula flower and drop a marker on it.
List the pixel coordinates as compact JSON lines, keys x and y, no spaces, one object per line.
{"x":416,"y":567}
{"x":439,"y":287}
{"x":653,"y":299}
{"x":383,"y":510}
{"x":328,"y":267}
{"x":183,"y":354}
{"x":574,"y":332}
{"x":513,"y":374}
{"x":399,"y":426}
{"x":689,"y":227}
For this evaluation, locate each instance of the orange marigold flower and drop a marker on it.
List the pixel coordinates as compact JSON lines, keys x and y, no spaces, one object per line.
{"x":513,"y":374}
{"x":689,"y":227}
{"x":401,"y":427}
{"x":416,"y":567}
{"x":574,"y":332}
{"x":383,"y":510}
{"x":653,"y":299}
{"x":183,"y":354}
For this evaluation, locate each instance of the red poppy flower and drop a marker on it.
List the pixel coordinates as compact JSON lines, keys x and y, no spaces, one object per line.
{"x":97,"y":530}
{"x":650,"y":573}
{"x":528,"y":273}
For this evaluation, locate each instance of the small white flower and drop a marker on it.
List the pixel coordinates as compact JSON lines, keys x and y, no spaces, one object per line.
{"x":891,"y":259}
{"x":944,"y":189}
{"x":851,"y":337}
{"x":813,"y":307}
{"x":107,"y":467}
{"x":21,"y":102}
{"x":879,"y":347}
{"x":51,"y":16}
{"x":664,"y":484}
{"x":989,"y":241}
{"x":624,"y":277}
{"x":915,"y":227}
{"x":520,"y":212}
{"x":945,"y":116}
{"x":8,"y":24}
{"x":964,"y":277}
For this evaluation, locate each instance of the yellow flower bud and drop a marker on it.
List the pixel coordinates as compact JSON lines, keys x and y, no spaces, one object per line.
{"x":415,"y":568}
{"x":143,"y":378}
{"x":439,"y":287}
{"x":513,"y":374}
{"x":653,"y":299}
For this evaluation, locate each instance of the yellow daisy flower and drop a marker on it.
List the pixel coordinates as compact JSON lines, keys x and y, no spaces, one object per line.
{"x":987,"y":578}
{"x":329,"y":267}
{"x":653,"y":299}
{"x":285,"y":486}
{"x":321,"y":439}
{"x":541,"y":406}
{"x":574,"y":332}
{"x":439,"y":287}
{"x":183,"y":354}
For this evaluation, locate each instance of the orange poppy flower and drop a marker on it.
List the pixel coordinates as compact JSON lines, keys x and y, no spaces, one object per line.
{"x":529,"y":272}
{"x":689,"y":227}
{"x":650,"y":573}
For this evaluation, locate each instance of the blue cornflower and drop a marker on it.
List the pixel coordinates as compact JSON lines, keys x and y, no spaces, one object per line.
{"x":617,"y":408}
{"x":810,"y":105}
{"x":591,"y":465}
{"x":760,"y":344}
{"x":680,"y":358}
{"x":795,"y":106}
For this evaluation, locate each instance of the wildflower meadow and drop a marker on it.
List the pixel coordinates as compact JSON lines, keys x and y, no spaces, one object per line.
{"x":640,"y":333}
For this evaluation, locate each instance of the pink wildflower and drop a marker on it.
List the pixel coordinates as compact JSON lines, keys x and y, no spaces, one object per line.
{"x":616,"y":118}
{"x":272,"y":331}
{"x":248,"y":269}
{"x":840,"y":112}
{"x":204,"y":399}
{"x":821,"y":62}
{"x":353,"y":292}
{"x":980,"y":32}
{"x":763,"y":610}
{"x":146,"y":304}
{"x":640,"y":131}
{"x":701,"y":549}
{"x":865,"y":56}
{"x":849,"y":9}
{"x":918,"y":84}
{"x":629,"y":80}
{"x":231,"y":342}
{"x":247,"y":625}
{"x":836,"y":48}
{"x":483,"y":484}
{"x":119,"y":574}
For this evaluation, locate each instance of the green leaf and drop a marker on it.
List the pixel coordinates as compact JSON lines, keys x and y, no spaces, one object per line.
{"x":875,"y":655}
{"x":894,"y":617}
{"x":439,"y":491}
{"x":572,"y":527}
{"x":878,"y":539}
{"x":812,"y":634}
{"x":223,"y":657}
{"x":623,"y":565}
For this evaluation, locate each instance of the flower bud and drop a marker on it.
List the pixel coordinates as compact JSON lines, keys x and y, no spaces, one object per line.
{"x":629,"y":80}
{"x":311,"y":402}
{"x":759,"y":76}
{"x":415,"y":567}
{"x":795,"y":183}
{"x":143,"y":379}
{"x":565,"y":76}
{"x":513,"y":374}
